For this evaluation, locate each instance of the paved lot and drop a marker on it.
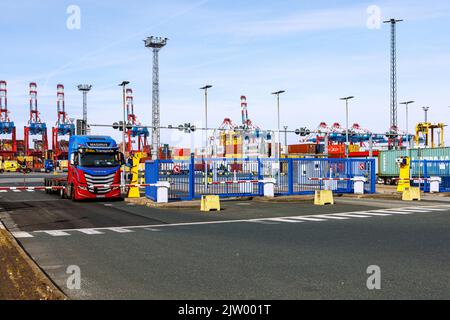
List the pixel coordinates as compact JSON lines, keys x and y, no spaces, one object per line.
{"x":251,"y":250}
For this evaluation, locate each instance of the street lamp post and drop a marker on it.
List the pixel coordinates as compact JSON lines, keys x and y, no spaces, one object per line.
{"x":347,"y":138}
{"x":286,"y":140}
{"x":124,"y":87}
{"x":206,"y":88}
{"x":426,"y":109}
{"x":406,"y":104}
{"x":278,"y":93}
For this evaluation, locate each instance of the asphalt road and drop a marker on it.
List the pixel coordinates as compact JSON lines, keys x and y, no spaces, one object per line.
{"x":251,"y":250}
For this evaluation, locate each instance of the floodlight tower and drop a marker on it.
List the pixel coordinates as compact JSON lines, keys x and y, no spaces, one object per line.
{"x":63,"y":127}
{"x":393,"y":141}
{"x":156,"y":44}
{"x":35,"y":128}
{"x":134,"y":129}
{"x":7,"y":127}
{"x":84,"y":88}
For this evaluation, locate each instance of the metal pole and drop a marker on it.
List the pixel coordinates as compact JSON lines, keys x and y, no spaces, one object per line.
{"x":347,"y":137}
{"x":279,"y":127}
{"x":286,"y":140}
{"x":124,"y":86}
{"x":206,"y":140}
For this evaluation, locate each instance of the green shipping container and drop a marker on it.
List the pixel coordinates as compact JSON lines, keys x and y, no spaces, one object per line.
{"x":388,"y":167}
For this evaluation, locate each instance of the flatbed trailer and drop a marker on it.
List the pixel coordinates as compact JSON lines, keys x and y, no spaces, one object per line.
{"x":60,"y":181}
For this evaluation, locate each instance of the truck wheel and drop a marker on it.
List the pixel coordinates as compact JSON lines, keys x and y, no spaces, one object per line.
{"x":62,"y":194}
{"x":2,"y":171}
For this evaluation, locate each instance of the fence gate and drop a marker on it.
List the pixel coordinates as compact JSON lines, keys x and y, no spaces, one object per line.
{"x":432,"y":168}
{"x":196,"y":177}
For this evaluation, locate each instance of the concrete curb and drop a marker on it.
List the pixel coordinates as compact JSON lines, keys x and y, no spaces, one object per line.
{"x":45,"y":288}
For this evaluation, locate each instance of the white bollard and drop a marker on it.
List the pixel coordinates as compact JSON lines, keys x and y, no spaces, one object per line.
{"x":359,"y":184}
{"x":269,"y":188}
{"x":162,"y":192}
{"x":435,"y":184}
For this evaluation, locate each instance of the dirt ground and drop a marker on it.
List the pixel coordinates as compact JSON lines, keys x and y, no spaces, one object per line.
{"x":20,"y":278}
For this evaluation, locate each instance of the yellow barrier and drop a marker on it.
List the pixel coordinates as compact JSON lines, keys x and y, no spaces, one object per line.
{"x":135,"y":192}
{"x":210,"y":203}
{"x":412,"y":194}
{"x":324,"y":197}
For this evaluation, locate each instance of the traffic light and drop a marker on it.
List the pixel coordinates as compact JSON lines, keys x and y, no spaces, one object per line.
{"x":187,"y":128}
{"x":119,"y":126}
{"x":303,"y":132}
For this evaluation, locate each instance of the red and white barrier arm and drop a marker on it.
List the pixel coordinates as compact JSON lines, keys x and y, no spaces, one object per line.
{"x":30,"y":188}
{"x":235,"y":182}
{"x":108,"y":186}
{"x":331,"y":179}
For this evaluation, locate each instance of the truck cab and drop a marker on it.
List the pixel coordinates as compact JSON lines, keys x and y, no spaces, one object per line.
{"x":94,"y":166}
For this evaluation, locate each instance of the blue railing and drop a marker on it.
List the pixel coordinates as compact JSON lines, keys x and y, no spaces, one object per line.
{"x":432,"y":168}
{"x":191,"y":179}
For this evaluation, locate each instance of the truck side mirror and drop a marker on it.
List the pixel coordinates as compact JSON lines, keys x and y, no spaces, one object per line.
{"x":72,"y":159}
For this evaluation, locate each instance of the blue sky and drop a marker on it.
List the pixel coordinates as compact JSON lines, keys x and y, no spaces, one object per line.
{"x":317,"y":51}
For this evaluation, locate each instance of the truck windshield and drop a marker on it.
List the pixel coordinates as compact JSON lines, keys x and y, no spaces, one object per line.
{"x":99,"y":160}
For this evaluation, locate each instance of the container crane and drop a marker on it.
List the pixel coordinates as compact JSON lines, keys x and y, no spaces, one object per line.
{"x":135,"y":131}
{"x":7,"y":147}
{"x":35,"y":128}
{"x":64,"y":127}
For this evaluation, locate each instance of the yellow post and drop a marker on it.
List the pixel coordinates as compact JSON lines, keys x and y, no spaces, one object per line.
{"x":135,"y":192}
{"x":405,"y":174}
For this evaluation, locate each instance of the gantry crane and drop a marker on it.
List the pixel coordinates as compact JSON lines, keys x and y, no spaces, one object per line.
{"x":135,"y":130}
{"x":35,"y":127}
{"x":8,"y":148}
{"x":64,"y":127}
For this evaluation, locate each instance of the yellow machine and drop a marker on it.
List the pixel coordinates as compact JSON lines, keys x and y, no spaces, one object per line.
{"x":429,"y":132}
{"x":405,"y":174}
{"x":135,"y":192}
{"x":9,"y":166}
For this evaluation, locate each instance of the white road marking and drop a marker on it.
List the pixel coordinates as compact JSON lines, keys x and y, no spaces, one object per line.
{"x":21,"y":235}
{"x":90,"y":231}
{"x":3,"y":191}
{"x":57,"y":233}
{"x":430,"y":209}
{"x":349,"y":215}
{"x":275,"y":221}
{"x":285,"y":220}
{"x":121,"y":230}
{"x":376,"y":214}
{"x":415,"y":210}
{"x":308,"y":219}
{"x":332,"y":217}
{"x":17,"y":191}
{"x":394,"y":212}
{"x":264,"y":222}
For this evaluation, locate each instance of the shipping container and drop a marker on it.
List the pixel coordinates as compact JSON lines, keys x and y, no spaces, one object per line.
{"x":303,"y":149}
{"x":389,"y":169}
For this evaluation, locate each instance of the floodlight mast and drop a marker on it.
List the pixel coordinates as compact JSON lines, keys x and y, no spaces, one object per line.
{"x":156,"y":44}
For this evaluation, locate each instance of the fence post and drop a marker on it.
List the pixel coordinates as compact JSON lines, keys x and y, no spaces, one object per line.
{"x":291,"y":176}
{"x":260,"y":178}
{"x":192,"y":178}
{"x":425,"y":171}
{"x":373,"y":174}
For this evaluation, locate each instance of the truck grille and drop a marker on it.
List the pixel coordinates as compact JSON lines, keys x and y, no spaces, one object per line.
{"x":97,"y":180}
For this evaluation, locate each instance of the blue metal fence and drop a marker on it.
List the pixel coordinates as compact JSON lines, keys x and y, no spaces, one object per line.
{"x":192,"y":178}
{"x":428,"y":169}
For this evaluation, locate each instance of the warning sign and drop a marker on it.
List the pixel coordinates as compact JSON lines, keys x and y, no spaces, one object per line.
{"x":177,"y":169}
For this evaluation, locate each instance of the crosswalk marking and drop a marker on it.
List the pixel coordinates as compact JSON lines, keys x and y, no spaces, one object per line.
{"x":376,"y":214}
{"x":57,"y":233}
{"x":120,"y":230}
{"x":309,"y":219}
{"x":394,"y":212}
{"x":287,"y":220}
{"x":264,"y":221}
{"x":351,"y":215}
{"x":332,"y":217}
{"x":90,"y":231}
{"x":21,"y":235}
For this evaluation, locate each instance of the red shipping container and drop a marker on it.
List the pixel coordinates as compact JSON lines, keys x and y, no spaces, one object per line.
{"x":302,"y":149}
